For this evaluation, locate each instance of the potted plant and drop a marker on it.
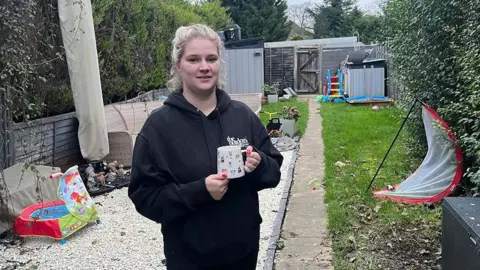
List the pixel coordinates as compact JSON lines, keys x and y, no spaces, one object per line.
{"x":271,"y":92}
{"x":289,"y":118}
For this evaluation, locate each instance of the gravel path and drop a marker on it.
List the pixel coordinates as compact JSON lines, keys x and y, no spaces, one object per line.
{"x":124,"y":240}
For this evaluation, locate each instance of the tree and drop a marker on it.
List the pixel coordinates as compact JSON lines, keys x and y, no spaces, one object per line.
{"x":330,"y":17}
{"x":300,"y":15}
{"x":367,"y":26}
{"x":260,"y":18}
{"x":337,"y":18}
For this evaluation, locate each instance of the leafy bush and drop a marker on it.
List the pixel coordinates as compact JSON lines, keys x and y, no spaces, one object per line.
{"x":133,"y":42}
{"x":435,"y":57}
{"x":271,"y":89}
{"x":297,"y":37}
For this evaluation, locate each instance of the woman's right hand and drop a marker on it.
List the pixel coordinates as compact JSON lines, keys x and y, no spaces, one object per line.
{"x":217,"y":185}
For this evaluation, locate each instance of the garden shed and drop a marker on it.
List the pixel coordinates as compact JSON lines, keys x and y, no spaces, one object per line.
{"x":300,"y":64}
{"x":244,"y":66}
{"x":366,"y":78}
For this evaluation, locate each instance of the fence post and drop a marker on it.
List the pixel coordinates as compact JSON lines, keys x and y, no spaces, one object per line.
{"x":6,"y":144}
{"x":295,"y":67}
{"x":54,"y":142}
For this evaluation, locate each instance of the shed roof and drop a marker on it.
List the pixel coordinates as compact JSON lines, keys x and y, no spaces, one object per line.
{"x":375,"y":62}
{"x":311,"y":42}
{"x":338,"y":46}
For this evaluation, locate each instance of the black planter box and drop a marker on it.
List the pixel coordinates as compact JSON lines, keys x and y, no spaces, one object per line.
{"x":461,"y":233}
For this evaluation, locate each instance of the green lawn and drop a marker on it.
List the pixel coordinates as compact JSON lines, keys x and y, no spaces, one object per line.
{"x":277,"y":107}
{"x":371,"y":233}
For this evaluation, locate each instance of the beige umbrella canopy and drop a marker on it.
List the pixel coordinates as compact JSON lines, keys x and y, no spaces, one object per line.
{"x":76,"y":22}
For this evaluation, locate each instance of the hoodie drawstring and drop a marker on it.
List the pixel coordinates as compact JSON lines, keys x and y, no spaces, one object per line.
{"x":206,"y":137}
{"x":221,"y":125}
{"x":222,"y":138}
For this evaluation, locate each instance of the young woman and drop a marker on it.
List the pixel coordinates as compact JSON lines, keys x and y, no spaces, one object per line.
{"x":208,"y":221}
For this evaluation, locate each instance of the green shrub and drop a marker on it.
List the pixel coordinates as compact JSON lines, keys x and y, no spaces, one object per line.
{"x":133,"y":43}
{"x":435,"y":57}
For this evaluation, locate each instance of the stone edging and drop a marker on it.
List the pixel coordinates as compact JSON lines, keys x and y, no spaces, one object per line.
{"x":282,"y":209}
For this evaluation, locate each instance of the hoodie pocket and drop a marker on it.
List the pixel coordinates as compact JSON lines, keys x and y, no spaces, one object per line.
{"x":224,"y":231}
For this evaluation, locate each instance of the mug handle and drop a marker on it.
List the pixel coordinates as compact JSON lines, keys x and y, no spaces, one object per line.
{"x":246,"y":152}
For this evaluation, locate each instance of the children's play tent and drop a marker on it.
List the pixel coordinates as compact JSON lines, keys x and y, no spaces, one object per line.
{"x":61,"y":218}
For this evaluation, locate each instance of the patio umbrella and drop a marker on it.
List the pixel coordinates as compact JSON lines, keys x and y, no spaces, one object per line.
{"x":76,"y":22}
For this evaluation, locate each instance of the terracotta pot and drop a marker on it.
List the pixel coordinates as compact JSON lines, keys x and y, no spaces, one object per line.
{"x":264,"y":100}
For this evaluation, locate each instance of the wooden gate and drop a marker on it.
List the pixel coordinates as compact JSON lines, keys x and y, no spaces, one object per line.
{"x":308,"y":70}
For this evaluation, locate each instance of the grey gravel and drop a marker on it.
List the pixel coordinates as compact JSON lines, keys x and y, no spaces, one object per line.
{"x":124,"y":239}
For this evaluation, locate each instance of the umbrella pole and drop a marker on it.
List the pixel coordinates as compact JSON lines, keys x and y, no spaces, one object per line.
{"x":393,"y":142}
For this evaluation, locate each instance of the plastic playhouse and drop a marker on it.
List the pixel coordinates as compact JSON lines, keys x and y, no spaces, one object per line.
{"x":357,"y":81}
{"x":61,"y":218}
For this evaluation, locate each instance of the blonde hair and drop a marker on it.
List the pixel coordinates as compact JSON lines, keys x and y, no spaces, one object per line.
{"x":183,"y":35}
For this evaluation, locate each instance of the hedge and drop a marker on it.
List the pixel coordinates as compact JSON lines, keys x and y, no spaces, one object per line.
{"x":435,"y":57}
{"x":133,"y":43}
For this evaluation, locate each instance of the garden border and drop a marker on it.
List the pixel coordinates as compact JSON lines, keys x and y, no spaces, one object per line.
{"x":280,"y":216}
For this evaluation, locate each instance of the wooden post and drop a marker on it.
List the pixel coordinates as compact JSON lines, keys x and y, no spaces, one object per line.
{"x":320,"y":68}
{"x":6,"y":153}
{"x":54,"y":142}
{"x":295,"y":68}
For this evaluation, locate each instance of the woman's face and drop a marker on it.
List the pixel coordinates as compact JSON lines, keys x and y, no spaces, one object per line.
{"x":199,"y":65}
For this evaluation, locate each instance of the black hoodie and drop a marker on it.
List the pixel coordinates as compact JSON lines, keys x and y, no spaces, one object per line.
{"x":174,"y":152}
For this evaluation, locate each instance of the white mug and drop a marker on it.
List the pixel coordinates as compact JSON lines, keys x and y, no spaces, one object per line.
{"x":229,"y":159}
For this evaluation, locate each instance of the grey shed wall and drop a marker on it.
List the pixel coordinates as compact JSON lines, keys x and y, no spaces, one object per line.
{"x":245,"y":70}
{"x":367,"y":81}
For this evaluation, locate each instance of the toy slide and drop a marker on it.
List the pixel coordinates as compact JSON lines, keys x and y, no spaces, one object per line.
{"x":59,"y":219}
{"x":333,"y":90}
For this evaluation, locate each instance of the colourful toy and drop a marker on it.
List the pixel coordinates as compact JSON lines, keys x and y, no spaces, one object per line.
{"x":333,"y":90}
{"x":59,"y":219}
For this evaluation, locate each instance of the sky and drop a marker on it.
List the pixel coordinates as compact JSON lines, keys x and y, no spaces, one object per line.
{"x":367,"y":5}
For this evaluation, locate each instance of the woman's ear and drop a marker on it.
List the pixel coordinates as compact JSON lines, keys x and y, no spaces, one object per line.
{"x":177,"y":66}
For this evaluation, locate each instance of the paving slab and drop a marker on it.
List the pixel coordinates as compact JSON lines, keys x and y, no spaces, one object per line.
{"x":304,"y":236}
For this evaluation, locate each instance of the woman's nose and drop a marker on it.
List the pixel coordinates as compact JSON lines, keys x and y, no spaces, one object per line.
{"x":204,"y":65}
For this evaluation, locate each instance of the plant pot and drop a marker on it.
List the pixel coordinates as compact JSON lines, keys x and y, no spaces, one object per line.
{"x":264,"y":100}
{"x":272,"y":98}
{"x":289,"y":127}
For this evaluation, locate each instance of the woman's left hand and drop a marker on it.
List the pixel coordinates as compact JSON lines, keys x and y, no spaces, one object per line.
{"x":253,"y":159}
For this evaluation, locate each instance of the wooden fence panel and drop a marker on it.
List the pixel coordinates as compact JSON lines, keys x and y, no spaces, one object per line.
{"x":48,"y":141}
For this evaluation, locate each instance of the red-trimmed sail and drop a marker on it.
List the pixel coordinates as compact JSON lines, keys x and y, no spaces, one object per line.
{"x":441,"y":170}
